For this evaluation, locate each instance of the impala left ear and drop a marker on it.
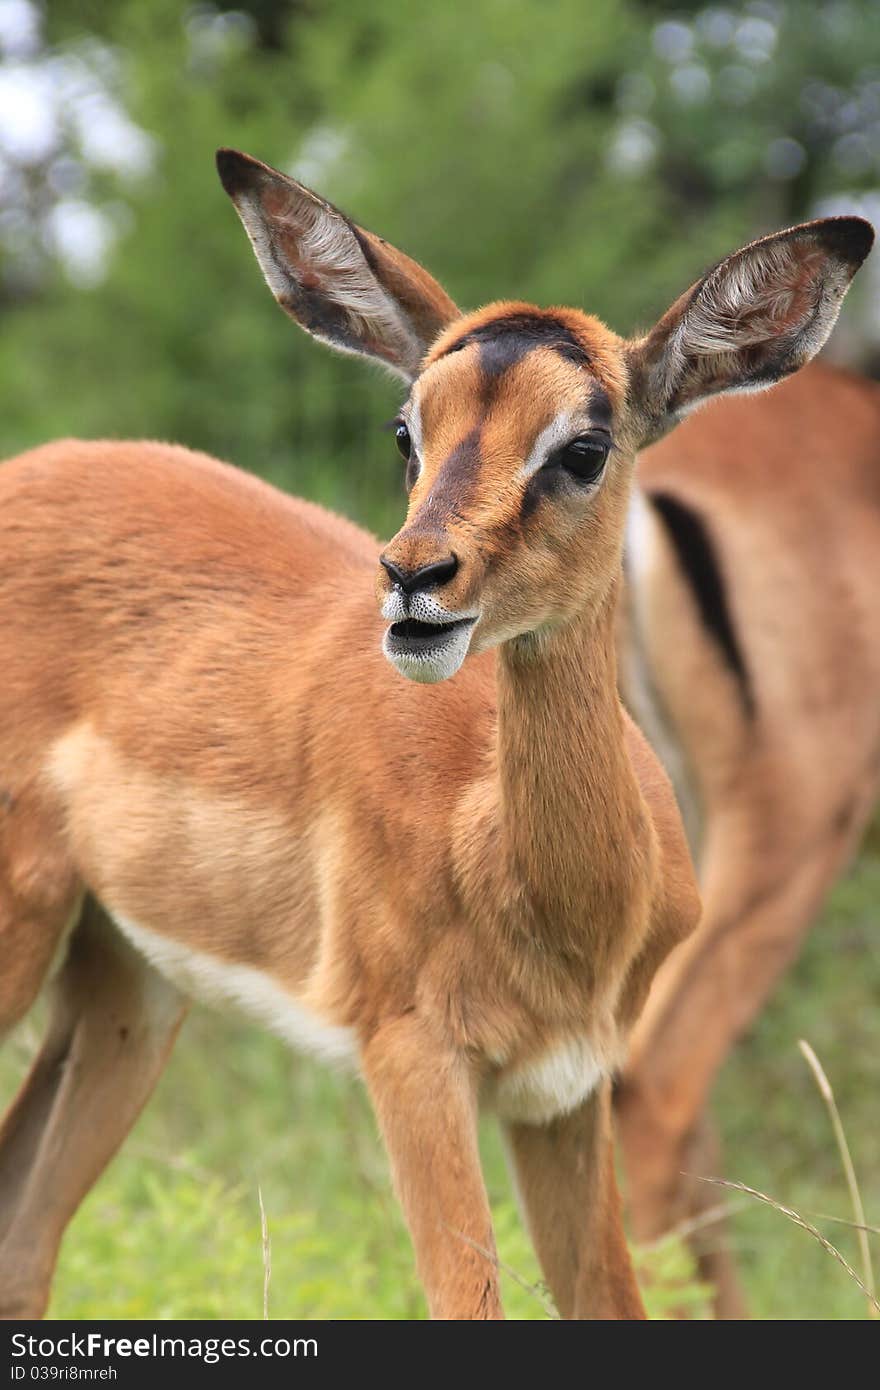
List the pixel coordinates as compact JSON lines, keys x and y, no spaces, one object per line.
{"x":755,"y":318}
{"x":341,"y":283}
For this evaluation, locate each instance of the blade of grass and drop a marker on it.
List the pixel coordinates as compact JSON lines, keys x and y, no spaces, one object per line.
{"x":855,"y":1195}
{"x":798,"y":1221}
{"x":842,"y":1221}
{"x":536,"y":1291}
{"x":710,"y":1217}
{"x":267,"y":1255}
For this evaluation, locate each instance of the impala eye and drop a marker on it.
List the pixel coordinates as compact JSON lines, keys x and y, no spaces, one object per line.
{"x":583,"y":458}
{"x":404,"y":443}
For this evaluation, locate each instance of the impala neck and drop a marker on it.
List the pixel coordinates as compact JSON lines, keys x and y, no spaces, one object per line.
{"x":571,"y":809}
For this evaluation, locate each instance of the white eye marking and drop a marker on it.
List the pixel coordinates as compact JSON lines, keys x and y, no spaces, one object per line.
{"x":413,"y":421}
{"x":552,"y":436}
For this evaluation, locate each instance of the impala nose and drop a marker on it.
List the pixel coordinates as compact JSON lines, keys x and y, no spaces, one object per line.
{"x":425,"y":577}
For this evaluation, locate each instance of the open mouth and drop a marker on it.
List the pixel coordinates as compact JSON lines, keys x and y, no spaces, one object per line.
{"x":428,"y":652}
{"x":411,"y":635}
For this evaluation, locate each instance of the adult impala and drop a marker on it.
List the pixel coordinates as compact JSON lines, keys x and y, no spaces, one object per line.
{"x":750,"y":655}
{"x":217,"y":784}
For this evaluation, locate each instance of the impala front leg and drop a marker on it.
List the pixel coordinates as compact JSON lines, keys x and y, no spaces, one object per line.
{"x":564,"y":1172}
{"x":424,"y":1095}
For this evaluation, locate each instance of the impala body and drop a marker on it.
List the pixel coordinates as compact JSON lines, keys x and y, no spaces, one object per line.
{"x":216,"y":781}
{"x":750,"y":655}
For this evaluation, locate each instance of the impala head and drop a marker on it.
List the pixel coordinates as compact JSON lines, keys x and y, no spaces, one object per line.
{"x":521,"y":425}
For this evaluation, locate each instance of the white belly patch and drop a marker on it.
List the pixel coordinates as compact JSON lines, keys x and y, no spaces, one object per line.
{"x":213,"y":981}
{"x":553,"y":1084}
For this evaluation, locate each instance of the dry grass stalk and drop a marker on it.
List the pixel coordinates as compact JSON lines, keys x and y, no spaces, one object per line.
{"x":267,"y":1254}
{"x":842,"y":1221}
{"x":855,"y":1195}
{"x":804,"y":1225}
{"x":710,"y":1217}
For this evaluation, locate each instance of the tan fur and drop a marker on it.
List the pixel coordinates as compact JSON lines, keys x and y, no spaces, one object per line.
{"x":789,"y":484}
{"x":199,"y":720}
{"x":194,"y":783}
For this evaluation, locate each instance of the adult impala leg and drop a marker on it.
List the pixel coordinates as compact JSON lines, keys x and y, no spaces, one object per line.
{"x":425,"y":1100}
{"x":565,"y":1177}
{"x":706,"y":1222}
{"x":112,"y":1026}
{"x":710,"y":991}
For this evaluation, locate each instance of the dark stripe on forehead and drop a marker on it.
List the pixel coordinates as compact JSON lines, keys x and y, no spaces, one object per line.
{"x":503,"y":341}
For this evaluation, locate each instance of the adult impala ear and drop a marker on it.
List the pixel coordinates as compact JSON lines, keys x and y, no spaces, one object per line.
{"x":755,"y":318}
{"x":342,"y":284}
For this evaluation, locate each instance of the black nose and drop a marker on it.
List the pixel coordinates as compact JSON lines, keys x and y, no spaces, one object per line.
{"x":428,"y":577}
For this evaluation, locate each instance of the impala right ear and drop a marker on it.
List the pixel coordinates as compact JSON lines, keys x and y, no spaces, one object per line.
{"x":342,"y":284}
{"x":753,"y":319}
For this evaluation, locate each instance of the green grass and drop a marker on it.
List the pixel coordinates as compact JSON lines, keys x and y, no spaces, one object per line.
{"x":173,"y":1228}
{"x":778,"y":1136}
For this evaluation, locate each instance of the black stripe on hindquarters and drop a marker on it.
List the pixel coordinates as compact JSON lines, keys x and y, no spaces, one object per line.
{"x":699,"y":562}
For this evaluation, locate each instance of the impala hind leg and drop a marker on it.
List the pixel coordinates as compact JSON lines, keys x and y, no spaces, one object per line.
{"x":31,"y":937}
{"x":706,"y":1220}
{"x":113,"y":1022}
{"x":425,"y":1101}
{"x":564,"y":1174}
{"x":705,"y":997}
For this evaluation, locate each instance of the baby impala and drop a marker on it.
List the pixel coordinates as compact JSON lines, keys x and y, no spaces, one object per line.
{"x":213,"y":782}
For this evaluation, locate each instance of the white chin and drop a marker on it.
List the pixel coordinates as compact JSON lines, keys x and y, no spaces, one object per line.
{"x":428,"y":662}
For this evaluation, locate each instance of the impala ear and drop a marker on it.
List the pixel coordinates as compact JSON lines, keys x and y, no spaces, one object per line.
{"x":342,"y":284}
{"x":755,"y":318}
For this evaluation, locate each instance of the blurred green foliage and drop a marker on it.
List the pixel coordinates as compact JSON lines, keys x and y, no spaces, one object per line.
{"x":599,"y":154}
